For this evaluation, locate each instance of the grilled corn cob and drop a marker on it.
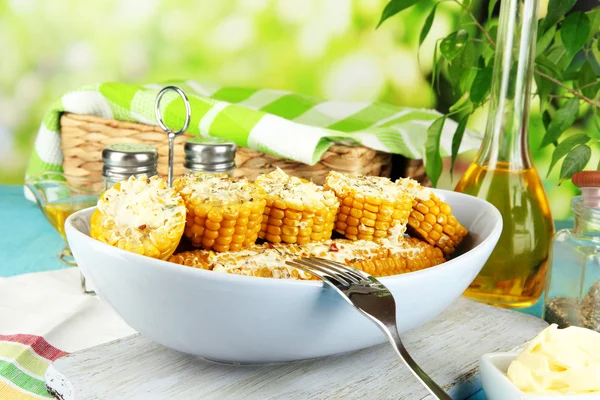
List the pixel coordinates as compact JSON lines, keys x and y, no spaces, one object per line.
{"x":297,"y":211}
{"x":431,"y":219}
{"x":268,"y":260}
{"x":223,"y":214}
{"x":370,"y":205}
{"x":140,"y":215}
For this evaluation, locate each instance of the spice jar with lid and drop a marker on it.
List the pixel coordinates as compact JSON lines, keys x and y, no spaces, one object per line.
{"x":572,"y":295}
{"x":209,"y":154}
{"x":123,"y":160}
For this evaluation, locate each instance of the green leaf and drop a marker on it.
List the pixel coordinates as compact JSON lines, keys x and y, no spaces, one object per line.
{"x":457,"y":140}
{"x":459,"y":103}
{"x":481,"y":85}
{"x":546,"y":119}
{"x":491,"y":6}
{"x":467,"y":60}
{"x":453,"y":44}
{"x":587,"y":76}
{"x":594,"y":17}
{"x":433,"y":164}
{"x":466,"y":3}
{"x":572,"y":71}
{"x":574,"y":32}
{"x":556,"y":52}
{"x":556,"y":10}
{"x":394,"y":7}
{"x":565,"y":147}
{"x":463,"y":69}
{"x":548,"y":67}
{"x":435,"y":69}
{"x":544,"y":40}
{"x":575,"y":161}
{"x":563,"y":119}
{"x":544,"y":89}
{"x":427,"y":25}
{"x":488,"y":53}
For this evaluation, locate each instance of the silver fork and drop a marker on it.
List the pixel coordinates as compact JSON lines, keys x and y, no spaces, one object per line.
{"x":374,"y":301}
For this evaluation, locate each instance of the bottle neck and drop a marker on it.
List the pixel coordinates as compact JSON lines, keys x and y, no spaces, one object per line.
{"x":587,"y":218}
{"x":506,"y":136}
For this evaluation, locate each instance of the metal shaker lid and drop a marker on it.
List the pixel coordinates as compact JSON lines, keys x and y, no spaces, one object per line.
{"x":126,"y":159}
{"x":209,"y":154}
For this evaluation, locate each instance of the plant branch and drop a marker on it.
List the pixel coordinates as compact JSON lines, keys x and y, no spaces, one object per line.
{"x":568,"y":89}
{"x":558,"y":96}
{"x":485,"y":32}
{"x":588,"y":85}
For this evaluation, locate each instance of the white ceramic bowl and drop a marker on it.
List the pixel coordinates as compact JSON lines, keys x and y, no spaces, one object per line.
{"x":257,"y":320}
{"x":497,"y":386}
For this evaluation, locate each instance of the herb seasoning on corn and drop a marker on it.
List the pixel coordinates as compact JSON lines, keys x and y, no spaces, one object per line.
{"x":297,"y":211}
{"x":370,"y":205}
{"x":268,"y":260}
{"x":223,"y":214}
{"x":431,"y":219}
{"x":141,"y":215}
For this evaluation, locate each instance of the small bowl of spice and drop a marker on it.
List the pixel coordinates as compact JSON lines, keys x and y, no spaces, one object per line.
{"x":557,"y":364}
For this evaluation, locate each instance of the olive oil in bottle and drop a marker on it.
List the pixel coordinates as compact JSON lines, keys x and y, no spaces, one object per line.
{"x":515,"y":273}
{"x":503,"y":174}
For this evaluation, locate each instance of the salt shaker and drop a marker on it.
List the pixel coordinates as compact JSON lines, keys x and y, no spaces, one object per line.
{"x":212,"y":155}
{"x":572,"y":295}
{"x":123,"y":160}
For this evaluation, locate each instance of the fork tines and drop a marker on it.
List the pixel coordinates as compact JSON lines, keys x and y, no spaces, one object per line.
{"x":326,"y":269}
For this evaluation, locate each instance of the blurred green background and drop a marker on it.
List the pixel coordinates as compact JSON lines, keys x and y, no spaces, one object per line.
{"x":325,"y":48}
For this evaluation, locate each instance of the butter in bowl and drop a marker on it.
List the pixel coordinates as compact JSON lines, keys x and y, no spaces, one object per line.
{"x":557,"y":364}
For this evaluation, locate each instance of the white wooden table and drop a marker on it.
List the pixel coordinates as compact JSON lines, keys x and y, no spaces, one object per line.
{"x":448,"y":348}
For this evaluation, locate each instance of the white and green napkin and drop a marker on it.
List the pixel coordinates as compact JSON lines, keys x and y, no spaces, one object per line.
{"x":281,"y":123}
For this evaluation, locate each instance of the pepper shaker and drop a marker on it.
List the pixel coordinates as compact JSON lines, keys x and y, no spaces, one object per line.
{"x":212,"y":155}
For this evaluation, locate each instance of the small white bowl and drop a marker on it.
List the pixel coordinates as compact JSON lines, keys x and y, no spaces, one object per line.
{"x":497,"y":386}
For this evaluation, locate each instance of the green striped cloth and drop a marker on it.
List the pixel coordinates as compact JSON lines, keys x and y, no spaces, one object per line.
{"x":281,"y":123}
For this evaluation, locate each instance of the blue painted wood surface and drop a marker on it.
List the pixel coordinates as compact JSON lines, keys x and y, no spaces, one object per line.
{"x":29,"y":244}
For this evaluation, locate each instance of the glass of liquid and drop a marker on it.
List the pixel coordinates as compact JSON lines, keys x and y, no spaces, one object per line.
{"x":59,"y":195}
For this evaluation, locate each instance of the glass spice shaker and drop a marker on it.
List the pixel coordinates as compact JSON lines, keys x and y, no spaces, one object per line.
{"x":572,"y":295}
{"x":209,"y":154}
{"x":122,"y":160}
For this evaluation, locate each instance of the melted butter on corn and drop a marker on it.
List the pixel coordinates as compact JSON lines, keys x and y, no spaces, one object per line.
{"x":218,"y":188}
{"x":414,"y":188}
{"x":139,"y":203}
{"x":294,"y":190}
{"x":268,"y":260}
{"x":375,"y":186}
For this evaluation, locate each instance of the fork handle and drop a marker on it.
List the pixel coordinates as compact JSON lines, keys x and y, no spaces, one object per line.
{"x":433,"y":388}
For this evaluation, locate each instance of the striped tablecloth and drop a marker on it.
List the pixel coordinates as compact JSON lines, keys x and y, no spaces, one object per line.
{"x":44,"y":316}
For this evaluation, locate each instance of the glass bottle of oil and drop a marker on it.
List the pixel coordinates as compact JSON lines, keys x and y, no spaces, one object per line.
{"x":503,"y":173}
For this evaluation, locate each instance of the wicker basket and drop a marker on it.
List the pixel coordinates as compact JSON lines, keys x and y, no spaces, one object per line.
{"x":83,"y":137}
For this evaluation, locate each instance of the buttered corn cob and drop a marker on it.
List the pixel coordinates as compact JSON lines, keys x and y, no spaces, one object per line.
{"x":369,"y":205}
{"x":223,"y":214}
{"x":431,"y":219}
{"x":268,"y":260}
{"x":297,"y":211}
{"x":140,"y":215}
